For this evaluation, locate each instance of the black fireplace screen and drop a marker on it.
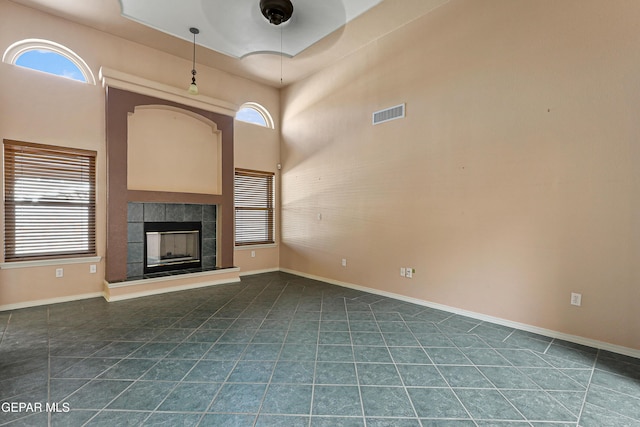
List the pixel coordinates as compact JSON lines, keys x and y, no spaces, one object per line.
{"x":172,"y":246}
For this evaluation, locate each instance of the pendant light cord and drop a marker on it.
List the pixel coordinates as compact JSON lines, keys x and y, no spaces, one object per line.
{"x":193,"y":88}
{"x":194,"y":31}
{"x":193,"y":69}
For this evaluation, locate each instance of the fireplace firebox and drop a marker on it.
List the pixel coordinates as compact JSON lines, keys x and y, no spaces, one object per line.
{"x":170,"y":246}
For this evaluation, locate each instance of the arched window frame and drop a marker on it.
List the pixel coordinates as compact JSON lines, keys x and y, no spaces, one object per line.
{"x":14,"y":52}
{"x":261,"y":110}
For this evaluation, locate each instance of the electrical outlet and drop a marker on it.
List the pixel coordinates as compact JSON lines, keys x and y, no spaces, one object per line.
{"x":93,"y":269}
{"x":576,"y":299}
{"x":403,"y":272}
{"x":253,"y":254}
{"x":409,"y":273}
{"x":344,"y":262}
{"x":59,"y":272}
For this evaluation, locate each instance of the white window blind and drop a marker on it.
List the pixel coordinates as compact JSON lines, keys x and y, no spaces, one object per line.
{"x":49,"y":201}
{"x":254,"y":207}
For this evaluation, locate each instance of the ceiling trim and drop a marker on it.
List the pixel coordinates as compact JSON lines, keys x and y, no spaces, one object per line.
{"x":238,"y":28}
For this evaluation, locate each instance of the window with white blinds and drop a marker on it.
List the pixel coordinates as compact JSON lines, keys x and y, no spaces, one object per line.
{"x":254,"y":207}
{"x":49,"y":201}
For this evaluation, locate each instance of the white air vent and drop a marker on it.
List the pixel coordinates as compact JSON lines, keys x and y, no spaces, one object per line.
{"x":388,"y":114}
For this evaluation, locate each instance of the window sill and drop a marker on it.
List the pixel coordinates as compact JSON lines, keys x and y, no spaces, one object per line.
{"x":250,"y":247}
{"x":47,"y":262}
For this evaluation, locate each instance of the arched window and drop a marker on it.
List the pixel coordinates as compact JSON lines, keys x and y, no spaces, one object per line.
{"x":252,"y":112}
{"x":49,"y":57}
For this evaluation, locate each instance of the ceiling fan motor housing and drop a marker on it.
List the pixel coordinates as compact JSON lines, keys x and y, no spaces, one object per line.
{"x":276,"y":11}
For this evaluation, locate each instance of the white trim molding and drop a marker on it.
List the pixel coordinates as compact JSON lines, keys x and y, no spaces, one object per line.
{"x":256,"y":247}
{"x":254,"y":272}
{"x":48,"y":301}
{"x":49,"y":262}
{"x":478,"y":316}
{"x":264,"y":113}
{"x":120,"y":80}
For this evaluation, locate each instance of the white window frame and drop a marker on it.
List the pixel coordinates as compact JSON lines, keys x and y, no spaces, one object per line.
{"x":18,"y":48}
{"x":260,"y":110}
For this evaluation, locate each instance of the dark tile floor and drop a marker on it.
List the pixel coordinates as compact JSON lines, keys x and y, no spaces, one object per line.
{"x":281,"y":350}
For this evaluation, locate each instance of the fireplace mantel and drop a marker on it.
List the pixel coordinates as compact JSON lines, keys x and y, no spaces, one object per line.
{"x":120,"y":80}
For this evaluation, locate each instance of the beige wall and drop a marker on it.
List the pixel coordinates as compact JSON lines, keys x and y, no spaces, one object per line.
{"x":40,"y":108}
{"x":512,"y":182}
{"x":258,"y":148}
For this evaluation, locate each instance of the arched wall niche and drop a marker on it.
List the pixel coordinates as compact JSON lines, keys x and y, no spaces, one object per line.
{"x":175,"y":150}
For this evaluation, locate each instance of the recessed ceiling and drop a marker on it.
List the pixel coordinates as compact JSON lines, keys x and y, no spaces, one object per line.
{"x":376,"y":22}
{"x":237,"y":27}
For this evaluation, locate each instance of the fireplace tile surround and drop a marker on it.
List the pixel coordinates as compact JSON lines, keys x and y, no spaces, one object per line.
{"x":138,"y":213}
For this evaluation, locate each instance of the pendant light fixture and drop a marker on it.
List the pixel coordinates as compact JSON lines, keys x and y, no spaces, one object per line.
{"x":193,"y":89}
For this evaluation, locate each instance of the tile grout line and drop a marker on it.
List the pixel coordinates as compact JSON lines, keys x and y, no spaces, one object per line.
{"x":494,"y":386}
{"x":435,"y":365}
{"x":119,"y":360}
{"x":155,"y":364}
{"x":518,"y":369}
{"x":395,"y":365}
{"x":215,"y":396}
{"x":509,"y":336}
{"x":355,"y":365}
{"x":549,"y":346}
{"x":160,"y":359}
{"x":245,"y":350}
{"x":275,"y":363}
{"x":586,"y":393}
{"x":315,"y":362}
{"x":498,"y":389}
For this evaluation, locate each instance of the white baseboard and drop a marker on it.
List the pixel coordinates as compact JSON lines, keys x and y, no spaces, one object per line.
{"x":48,"y":301}
{"x":479,"y":316}
{"x":253,"y":272}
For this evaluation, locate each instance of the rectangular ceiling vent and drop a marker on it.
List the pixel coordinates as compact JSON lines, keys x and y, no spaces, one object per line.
{"x":388,"y":114}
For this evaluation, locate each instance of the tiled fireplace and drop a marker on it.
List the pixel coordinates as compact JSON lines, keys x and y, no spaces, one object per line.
{"x":190,"y":232}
